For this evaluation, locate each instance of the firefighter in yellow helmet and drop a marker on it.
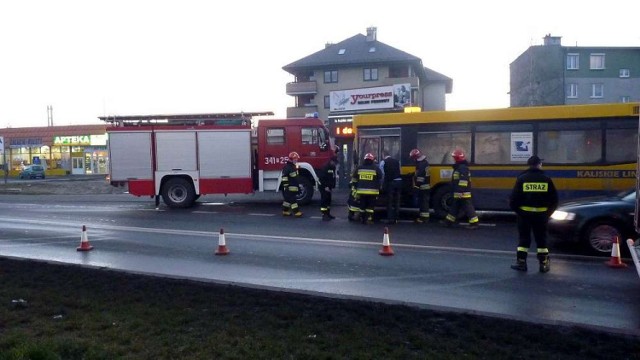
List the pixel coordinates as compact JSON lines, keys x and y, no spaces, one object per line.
{"x":290,"y":186}
{"x":461,"y":188}
{"x":366,"y":180}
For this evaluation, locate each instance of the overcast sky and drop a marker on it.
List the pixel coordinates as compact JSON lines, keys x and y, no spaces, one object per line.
{"x":122,"y":57}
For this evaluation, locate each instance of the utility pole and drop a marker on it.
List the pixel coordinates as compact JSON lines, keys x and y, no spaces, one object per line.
{"x":49,"y":115}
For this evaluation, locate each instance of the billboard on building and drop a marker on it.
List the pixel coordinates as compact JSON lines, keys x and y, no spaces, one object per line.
{"x":374,"y":98}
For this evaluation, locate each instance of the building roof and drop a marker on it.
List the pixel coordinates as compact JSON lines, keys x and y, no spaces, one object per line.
{"x":434,"y":76}
{"x":353,"y":51}
{"x":47,"y":133}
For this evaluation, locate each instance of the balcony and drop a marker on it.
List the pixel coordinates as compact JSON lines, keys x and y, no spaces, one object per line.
{"x":298,"y":112}
{"x":301,"y":88}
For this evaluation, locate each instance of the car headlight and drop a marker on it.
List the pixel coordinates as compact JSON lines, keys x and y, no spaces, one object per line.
{"x":563,"y":215}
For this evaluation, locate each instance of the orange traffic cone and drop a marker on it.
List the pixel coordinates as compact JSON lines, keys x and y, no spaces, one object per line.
{"x":615,"y":261}
{"x":222,"y":244}
{"x":386,"y":246}
{"x":84,"y":241}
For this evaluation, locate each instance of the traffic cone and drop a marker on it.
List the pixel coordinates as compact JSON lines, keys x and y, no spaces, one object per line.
{"x":222,"y":244}
{"x":386,"y":246}
{"x":84,"y":241}
{"x":615,"y":261}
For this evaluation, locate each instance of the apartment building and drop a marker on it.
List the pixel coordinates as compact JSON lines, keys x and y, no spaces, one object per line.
{"x":553,"y":74}
{"x":362,"y":75}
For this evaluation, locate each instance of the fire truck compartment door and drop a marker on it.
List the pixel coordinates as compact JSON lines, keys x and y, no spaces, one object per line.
{"x":130,"y":154}
{"x":176,"y":150}
{"x":225,"y":154}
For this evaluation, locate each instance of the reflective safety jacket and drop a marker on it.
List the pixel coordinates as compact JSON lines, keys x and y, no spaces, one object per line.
{"x":461,"y":180}
{"x":534,"y":193}
{"x":366,"y":179}
{"x":290,"y":177}
{"x":422,"y":177}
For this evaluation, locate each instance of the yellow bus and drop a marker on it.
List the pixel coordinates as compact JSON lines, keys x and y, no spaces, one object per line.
{"x":587,"y":149}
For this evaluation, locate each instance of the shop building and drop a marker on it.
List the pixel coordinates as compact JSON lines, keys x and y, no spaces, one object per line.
{"x":62,"y":150}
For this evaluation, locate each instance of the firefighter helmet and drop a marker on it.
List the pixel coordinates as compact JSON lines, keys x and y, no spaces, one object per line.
{"x":369,"y":156}
{"x":415,"y":153}
{"x":293,"y":156}
{"x":458,"y":155}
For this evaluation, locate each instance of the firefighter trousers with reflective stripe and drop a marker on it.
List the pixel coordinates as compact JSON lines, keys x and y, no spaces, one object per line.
{"x":535,"y":223}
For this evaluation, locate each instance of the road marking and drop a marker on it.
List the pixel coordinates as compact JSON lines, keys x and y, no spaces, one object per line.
{"x":259,"y":214}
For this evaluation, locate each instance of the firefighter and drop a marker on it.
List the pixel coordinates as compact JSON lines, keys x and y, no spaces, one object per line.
{"x":353,"y":202}
{"x":534,"y":199}
{"x":461,"y":188}
{"x":421,"y":184}
{"x":366,"y":180}
{"x":392,"y":185}
{"x":327,"y":177}
{"x":290,"y":186}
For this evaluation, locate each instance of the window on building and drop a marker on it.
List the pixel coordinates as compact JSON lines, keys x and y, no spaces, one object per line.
{"x":597,"y":90}
{"x":327,"y":102}
{"x":342,"y":51}
{"x":331,"y":76}
{"x":573,"y":61}
{"x":625,"y":99}
{"x":572,"y":91}
{"x":625,"y":73}
{"x":370,"y":74}
{"x":275,"y":136}
{"x":596,"y":62}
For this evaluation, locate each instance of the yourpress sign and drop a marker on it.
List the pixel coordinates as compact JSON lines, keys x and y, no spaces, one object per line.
{"x":381,"y":97}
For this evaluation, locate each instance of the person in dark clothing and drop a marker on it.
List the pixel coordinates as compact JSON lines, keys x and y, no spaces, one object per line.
{"x":392,"y":185}
{"x":327,"y":179}
{"x":366,"y":180}
{"x":461,"y":187}
{"x":534,"y":198}
{"x":422,"y":184}
{"x":290,"y":186}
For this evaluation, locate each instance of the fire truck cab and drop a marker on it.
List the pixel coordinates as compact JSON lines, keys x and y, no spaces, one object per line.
{"x":181,"y":157}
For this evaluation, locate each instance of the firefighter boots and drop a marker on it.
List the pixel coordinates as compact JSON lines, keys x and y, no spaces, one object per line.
{"x":298,"y":214}
{"x":325,"y":217}
{"x":286,"y":213}
{"x":521,"y":261}
{"x":520,"y":265}
{"x":545,"y":266}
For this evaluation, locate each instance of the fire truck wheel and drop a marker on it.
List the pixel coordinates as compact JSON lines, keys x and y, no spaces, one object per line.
{"x":305,"y":194}
{"x":178,"y":193}
{"x":441,"y":201}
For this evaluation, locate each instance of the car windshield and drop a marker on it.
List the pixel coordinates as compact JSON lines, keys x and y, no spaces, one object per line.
{"x":630,"y":196}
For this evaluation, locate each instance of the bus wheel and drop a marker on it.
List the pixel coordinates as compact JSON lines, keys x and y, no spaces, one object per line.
{"x":441,"y":201}
{"x":305,"y":192}
{"x":178,"y":193}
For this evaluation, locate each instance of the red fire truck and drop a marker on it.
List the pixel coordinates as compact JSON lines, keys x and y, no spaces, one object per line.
{"x":181,"y":157}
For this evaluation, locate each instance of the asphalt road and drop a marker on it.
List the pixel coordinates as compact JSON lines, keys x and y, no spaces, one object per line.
{"x":433,"y":267}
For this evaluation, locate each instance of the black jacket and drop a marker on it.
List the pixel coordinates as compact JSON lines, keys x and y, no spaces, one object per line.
{"x":327,"y":175}
{"x":391,"y":169}
{"x":534,"y":192}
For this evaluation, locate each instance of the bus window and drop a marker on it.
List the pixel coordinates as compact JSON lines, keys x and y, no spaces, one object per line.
{"x":369,"y":145}
{"x":492,"y":148}
{"x":438,"y":146}
{"x":391,"y":146}
{"x":570,"y":146}
{"x":621,"y":145}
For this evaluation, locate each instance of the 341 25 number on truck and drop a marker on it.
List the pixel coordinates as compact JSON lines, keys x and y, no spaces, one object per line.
{"x":181,"y":157}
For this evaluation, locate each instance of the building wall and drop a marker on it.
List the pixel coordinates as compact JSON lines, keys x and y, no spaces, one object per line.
{"x":539,"y":76}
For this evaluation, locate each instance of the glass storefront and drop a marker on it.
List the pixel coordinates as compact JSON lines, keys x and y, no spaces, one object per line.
{"x":68,"y":154}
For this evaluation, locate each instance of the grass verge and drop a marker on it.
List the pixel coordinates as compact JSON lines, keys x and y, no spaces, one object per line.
{"x":70,"y":312}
